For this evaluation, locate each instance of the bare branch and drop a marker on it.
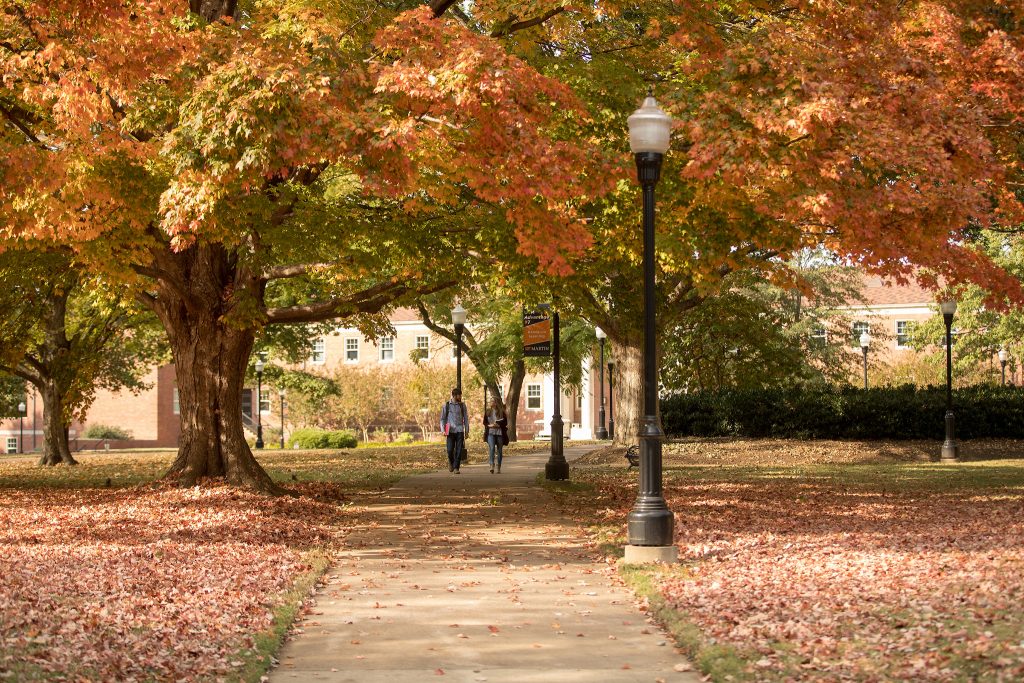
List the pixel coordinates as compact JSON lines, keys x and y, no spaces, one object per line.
{"x":370,"y":300}
{"x":511,"y":25}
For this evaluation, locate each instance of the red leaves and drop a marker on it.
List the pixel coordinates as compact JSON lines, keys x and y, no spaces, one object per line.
{"x":157,"y":583}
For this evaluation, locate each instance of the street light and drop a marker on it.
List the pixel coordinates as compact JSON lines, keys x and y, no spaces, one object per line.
{"x":1003,"y":357}
{"x":21,"y":426}
{"x":865,"y":342}
{"x":949,"y":448}
{"x":611,"y":399}
{"x":650,"y":523}
{"x":557,"y":467}
{"x":281,"y":394}
{"x":459,"y":320}
{"x":602,"y":433}
{"x":259,"y":401}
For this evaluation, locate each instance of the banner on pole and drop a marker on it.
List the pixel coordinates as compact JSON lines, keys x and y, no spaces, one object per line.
{"x":536,"y":333}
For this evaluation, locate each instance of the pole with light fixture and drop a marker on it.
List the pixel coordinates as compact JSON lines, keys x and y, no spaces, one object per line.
{"x":459,"y":321}
{"x":602,"y":433}
{"x":281,"y":394}
{"x":259,"y":403}
{"x":650,"y":523}
{"x":1003,"y":357}
{"x":949,"y":447}
{"x":611,"y":399}
{"x":865,"y":342}
{"x":21,"y":426}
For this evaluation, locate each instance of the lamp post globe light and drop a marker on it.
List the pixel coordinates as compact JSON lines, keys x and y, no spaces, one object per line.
{"x":602,"y":433}
{"x":21,"y":426}
{"x":865,"y":342}
{"x":611,"y":399}
{"x":650,"y":522}
{"x":259,"y":402}
{"x":459,"y":321}
{"x":1003,"y":357}
{"x":281,"y":394}
{"x":949,"y":447}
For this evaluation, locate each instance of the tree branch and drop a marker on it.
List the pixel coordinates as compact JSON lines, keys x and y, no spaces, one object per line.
{"x":439,"y":7}
{"x":510,"y":26}
{"x":282,"y":272}
{"x":370,"y":300}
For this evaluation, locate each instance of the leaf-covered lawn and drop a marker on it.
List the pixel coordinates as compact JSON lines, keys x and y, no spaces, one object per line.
{"x":841,"y":572}
{"x":144,"y":581}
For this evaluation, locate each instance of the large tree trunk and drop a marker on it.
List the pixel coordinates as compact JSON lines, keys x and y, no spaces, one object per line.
{"x":55,"y":430}
{"x":515,"y":391}
{"x":629,"y":392}
{"x":203,"y":310}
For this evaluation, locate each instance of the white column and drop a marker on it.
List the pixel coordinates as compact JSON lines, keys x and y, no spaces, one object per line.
{"x":587,"y":411}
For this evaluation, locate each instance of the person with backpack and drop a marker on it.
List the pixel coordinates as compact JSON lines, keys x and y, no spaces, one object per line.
{"x":455,"y":425}
{"x":495,"y":432}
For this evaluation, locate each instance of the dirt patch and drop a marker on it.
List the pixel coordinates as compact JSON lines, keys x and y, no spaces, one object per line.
{"x":786,"y":452}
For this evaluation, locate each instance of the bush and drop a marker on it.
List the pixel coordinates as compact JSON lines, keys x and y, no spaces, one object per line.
{"x":321,"y":438}
{"x":904,"y":412}
{"x":98,"y":431}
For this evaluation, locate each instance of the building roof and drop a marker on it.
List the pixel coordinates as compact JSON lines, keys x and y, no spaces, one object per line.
{"x":878,"y":292}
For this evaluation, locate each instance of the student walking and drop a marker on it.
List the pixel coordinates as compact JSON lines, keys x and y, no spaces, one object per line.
{"x":455,"y":425}
{"x":495,"y":432}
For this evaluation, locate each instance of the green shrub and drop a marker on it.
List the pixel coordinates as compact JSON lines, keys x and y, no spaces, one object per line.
{"x":99,"y":431}
{"x":904,"y":412}
{"x":321,"y":438}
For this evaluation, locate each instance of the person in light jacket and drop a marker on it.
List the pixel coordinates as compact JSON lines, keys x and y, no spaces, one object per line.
{"x":495,"y":432}
{"x":455,"y":424}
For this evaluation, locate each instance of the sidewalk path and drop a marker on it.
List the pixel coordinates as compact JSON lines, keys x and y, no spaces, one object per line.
{"x":473,"y":577}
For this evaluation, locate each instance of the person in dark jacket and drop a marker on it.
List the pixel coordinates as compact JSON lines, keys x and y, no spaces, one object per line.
{"x":455,"y":424}
{"x":495,"y":432}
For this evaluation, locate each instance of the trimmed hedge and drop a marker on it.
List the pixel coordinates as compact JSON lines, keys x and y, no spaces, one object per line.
{"x":321,"y":438}
{"x":102,"y":431}
{"x":905,"y":412}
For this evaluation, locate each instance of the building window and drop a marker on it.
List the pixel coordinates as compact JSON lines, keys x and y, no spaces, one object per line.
{"x":422,"y":346}
{"x":387,"y":349}
{"x":264,"y":403}
{"x":533,"y":397}
{"x":859,"y":328}
{"x":819,"y":337}
{"x":12,"y":444}
{"x":351,"y":350}
{"x":177,"y":402}
{"x":319,"y":354}
{"x":902,"y":334}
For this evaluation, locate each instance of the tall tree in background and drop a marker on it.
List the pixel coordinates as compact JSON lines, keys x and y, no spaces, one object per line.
{"x":226,"y":151}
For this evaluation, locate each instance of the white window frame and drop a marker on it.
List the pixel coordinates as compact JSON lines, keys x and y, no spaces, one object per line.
{"x":387,"y":345}
{"x":263,"y":400}
{"x":176,"y":402}
{"x":423,"y":345}
{"x":318,"y":354}
{"x":905,"y":333}
{"x":12,"y":445}
{"x":534,"y":391}
{"x":351,"y":346}
{"x":858,"y":328}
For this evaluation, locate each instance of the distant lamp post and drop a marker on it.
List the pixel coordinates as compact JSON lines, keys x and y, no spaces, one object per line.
{"x":259,"y":403}
{"x":557,"y":467}
{"x":281,"y":394}
{"x":865,"y":342}
{"x":611,"y":399}
{"x":459,"y":321}
{"x":949,"y":448}
{"x":1003,"y":357}
{"x":650,"y":523}
{"x":602,"y":433}
{"x":21,"y":426}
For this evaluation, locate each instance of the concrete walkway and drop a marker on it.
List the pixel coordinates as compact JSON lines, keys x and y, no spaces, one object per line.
{"x":474,"y":577}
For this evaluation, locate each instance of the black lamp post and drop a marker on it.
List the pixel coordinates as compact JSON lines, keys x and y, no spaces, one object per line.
{"x":21,"y":426}
{"x":459,"y":320}
{"x":259,"y":402}
{"x":281,"y":394}
{"x":602,"y":433}
{"x":1003,"y":357}
{"x":557,"y":468}
{"x":650,"y":523}
{"x":611,"y":399}
{"x":949,"y":448}
{"x":865,"y":342}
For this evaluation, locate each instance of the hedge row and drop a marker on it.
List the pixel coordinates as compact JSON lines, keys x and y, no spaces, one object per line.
{"x":321,"y":438}
{"x":905,"y":412}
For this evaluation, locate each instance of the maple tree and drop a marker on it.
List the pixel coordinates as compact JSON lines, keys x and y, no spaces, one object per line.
{"x":217,"y":156}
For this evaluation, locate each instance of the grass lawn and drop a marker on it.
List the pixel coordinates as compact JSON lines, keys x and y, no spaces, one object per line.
{"x":868,"y":565}
{"x":109,"y":574}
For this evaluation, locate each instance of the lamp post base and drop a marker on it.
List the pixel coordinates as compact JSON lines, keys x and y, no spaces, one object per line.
{"x":556,"y":471}
{"x":647,"y":554}
{"x":601,"y":434}
{"x":950,"y":451}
